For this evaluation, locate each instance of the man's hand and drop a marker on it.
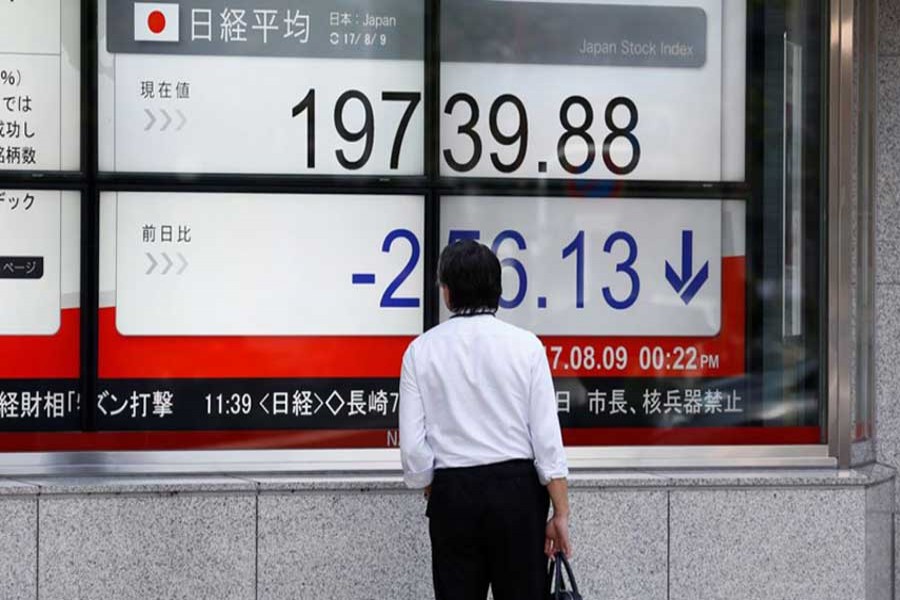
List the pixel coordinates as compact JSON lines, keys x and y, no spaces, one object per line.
{"x":558,"y":527}
{"x":558,"y":537}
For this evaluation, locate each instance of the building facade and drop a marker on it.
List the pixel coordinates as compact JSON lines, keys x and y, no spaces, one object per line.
{"x":219,"y":227}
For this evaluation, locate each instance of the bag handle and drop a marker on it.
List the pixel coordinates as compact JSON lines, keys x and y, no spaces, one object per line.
{"x":561,"y":558}
{"x":555,"y":583}
{"x":551,"y":577}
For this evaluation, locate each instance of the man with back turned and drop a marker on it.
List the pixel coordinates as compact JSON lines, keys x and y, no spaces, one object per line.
{"x":479,"y":432}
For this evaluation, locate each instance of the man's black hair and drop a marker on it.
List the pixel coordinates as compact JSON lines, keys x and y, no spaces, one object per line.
{"x":472,"y":274}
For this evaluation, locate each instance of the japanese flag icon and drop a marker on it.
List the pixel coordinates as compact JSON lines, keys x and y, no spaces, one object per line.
{"x":155,"y":22}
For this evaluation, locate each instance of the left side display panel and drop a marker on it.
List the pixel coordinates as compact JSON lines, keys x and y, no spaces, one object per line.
{"x":40,"y":82}
{"x":40,"y":331}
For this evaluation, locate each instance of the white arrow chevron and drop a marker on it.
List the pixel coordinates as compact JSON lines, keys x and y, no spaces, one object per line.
{"x":169,"y":263}
{"x":153,"y":263}
{"x":184,"y":264}
{"x":152,"y":119}
{"x":182,"y":118}
{"x":168,"y":119}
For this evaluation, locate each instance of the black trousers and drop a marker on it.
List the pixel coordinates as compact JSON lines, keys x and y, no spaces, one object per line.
{"x":487,"y":527}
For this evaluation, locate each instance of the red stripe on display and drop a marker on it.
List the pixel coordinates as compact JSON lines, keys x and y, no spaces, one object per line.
{"x":376,"y":438}
{"x":165,"y":357}
{"x":44,"y":356}
{"x":692,"y":436}
{"x":192,"y":440}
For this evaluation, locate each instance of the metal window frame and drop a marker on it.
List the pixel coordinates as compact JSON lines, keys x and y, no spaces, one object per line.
{"x":837,"y":329}
{"x":840,"y":212}
{"x":863,"y":418}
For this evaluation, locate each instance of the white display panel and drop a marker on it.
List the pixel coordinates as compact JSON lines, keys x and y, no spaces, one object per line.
{"x":39,"y":260}
{"x":644,"y":267}
{"x":40,"y":101}
{"x":253,"y":87}
{"x":663,"y":79}
{"x":263,"y":265}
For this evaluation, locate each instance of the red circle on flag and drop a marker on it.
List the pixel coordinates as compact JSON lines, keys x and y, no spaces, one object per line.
{"x":156,"y":21}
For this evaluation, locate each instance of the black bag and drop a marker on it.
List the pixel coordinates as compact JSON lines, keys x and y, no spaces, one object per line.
{"x":556,"y":582}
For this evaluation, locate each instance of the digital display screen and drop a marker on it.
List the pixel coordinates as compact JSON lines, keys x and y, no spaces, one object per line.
{"x":602,"y":266}
{"x":253,"y":293}
{"x":253,"y":86}
{"x":607,"y":89}
{"x":639,"y":302}
{"x":256,"y":311}
{"x":40,"y":89}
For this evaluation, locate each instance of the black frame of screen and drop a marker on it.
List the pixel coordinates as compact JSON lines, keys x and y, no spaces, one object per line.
{"x":90,"y":182}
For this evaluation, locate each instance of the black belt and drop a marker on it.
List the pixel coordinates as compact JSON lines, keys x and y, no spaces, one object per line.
{"x":501,"y":470}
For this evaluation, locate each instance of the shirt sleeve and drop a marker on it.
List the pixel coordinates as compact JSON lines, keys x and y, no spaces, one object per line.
{"x":546,"y":436}
{"x":415,"y":453}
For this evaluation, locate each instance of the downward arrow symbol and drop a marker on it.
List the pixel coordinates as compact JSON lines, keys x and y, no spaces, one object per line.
{"x":687,"y":284}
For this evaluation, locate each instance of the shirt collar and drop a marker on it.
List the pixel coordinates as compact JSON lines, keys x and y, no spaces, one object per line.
{"x":488,"y":312}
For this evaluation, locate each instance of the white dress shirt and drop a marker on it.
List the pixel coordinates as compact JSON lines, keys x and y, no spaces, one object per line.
{"x":474,"y":391}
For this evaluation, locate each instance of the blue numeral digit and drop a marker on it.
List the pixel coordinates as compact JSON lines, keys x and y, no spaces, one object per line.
{"x":388,"y":300}
{"x":517,"y":266}
{"x":627,"y":267}
{"x":459,"y":235}
{"x":577,"y":246}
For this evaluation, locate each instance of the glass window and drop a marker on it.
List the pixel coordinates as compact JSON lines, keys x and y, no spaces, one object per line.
{"x":672,"y":313}
{"x":257,"y":312}
{"x":262,"y":87}
{"x":40,"y":324}
{"x":640,"y":304}
{"x":268,"y":188}
{"x":594,"y":90}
